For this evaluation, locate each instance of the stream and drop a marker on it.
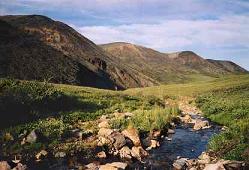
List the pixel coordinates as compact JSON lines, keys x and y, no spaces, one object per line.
{"x":184,"y":143}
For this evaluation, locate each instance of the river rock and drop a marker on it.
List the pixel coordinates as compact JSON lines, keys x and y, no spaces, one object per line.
{"x":32,"y":137}
{"x":41,"y":154}
{"x":216,"y":166}
{"x":92,"y":166}
{"x":119,"y":165}
{"x":20,"y":166}
{"x":107,"y":167}
{"x":180,"y":164}
{"x":105,"y":132}
{"x":4,"y":165}
{"x":233,"y":165}
{"x":154,"y":144}
{"x":104,"y":141}
{"x":187,"y":118}
{"x":125,"y":153}
{"x":101,"y":154}
{"x":103,"y":124}
{"x":171,"y":131}
{"x":60,"y":154}
{"x":119,"y":140}
{"x":200,"y":124}
{"x":133,"y":135}
{"x":138,"y":152}
{"x":155,"y":134}
{"x":113,"y":166}
{"x":204,"y":158}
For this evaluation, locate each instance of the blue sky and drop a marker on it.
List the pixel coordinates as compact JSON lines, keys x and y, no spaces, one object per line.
{"x":217,"y":29}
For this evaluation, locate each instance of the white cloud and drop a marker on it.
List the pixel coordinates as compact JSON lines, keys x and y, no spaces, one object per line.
{"x":176,"y":34}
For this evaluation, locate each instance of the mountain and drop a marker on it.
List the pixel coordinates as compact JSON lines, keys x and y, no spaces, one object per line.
{"x":181,"y":66}
{"x":34,"y":47}
{"x":228,"y":65}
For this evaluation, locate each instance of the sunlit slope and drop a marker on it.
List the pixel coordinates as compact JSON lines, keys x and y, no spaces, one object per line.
{"x":191,"y":88}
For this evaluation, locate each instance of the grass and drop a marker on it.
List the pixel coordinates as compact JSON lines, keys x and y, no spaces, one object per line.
{"x":53,"y":110}
{"x":229,"y":107}
{"x":157,"y":118}
{"x":190,"y":89}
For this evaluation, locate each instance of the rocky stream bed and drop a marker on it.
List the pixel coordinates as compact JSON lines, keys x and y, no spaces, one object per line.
{"x":182,"y":146}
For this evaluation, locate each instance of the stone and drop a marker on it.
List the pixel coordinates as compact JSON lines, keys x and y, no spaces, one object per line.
{"x":60,"y":154}
{"x":32,"y":137}
{"x":20,"y":167}
{"x":41,"y":154}
{"x":4,"y":165}
{"x":234,"y":165}
{"x":104,"y":124}
{"x":107,"y":167}
{"x":133,"y":135}
{"x":155,"y":134}
{"x":119,"y":165}
{"x":105,"y":132}
{"x":180,"y":164}
{"x":128,"y":114}
{"x":204,"y":158}
{"x":119,"y":140}
{"x":113,"y":166}
{"x":187,"y":119}
{"x":138,"y":152}
{"x":154,"y":144}
{"x":200,"y":124}
{"x":104,"y":141}
{"x":171,"y":131}
{"x":216,"y":166}
{"x":101,"y":155}
{"x":92,"y":166}
{"x":125,"y":153}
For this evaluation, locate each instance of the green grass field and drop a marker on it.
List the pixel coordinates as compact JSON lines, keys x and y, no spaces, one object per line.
{"x":55,"y":109}
{"x":190,"y":89}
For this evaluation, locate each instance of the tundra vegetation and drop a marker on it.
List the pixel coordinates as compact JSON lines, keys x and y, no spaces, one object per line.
{"x":56,"y":109}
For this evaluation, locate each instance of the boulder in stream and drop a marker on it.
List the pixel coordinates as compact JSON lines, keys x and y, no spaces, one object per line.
{"x":4,"y":165}
{"x":133,"y":135}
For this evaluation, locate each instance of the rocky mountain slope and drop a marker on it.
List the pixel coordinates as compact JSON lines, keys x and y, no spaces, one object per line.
{"x":169,"y":67}
{"x":35,"y":47}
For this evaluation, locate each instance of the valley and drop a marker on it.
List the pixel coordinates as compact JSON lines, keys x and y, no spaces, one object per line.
{"x":68,"y":103}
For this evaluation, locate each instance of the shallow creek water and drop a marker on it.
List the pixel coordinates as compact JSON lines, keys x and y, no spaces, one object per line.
{"x":185,"y":143}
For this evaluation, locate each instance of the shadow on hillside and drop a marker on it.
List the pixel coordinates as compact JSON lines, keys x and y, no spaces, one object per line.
{"x":15,"y":112}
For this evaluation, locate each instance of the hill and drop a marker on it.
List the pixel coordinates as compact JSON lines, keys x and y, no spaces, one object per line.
{"x":181,"y":67}
{"x":35,"y":47}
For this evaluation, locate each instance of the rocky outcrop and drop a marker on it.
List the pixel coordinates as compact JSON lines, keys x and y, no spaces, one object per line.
{"x":133,"y":135}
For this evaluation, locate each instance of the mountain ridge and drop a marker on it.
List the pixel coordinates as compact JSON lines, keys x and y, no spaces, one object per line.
{"x":88,"y":64}
{"x":35,"y":47}
{"x":179,"y":66}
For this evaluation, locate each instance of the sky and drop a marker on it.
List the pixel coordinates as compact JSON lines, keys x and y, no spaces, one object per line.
{"x":217,"y":29}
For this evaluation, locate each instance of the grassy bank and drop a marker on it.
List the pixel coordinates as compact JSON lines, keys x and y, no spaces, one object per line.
{"x":55,"y":110}
{"x":229,"y":107}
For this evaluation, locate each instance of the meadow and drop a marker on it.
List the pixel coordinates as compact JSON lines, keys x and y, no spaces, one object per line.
{"x":56,"y":109}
